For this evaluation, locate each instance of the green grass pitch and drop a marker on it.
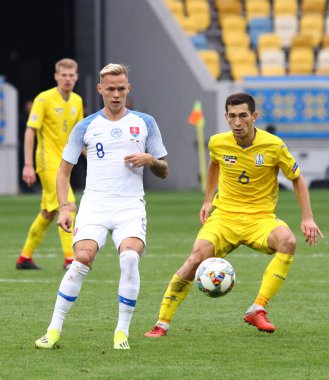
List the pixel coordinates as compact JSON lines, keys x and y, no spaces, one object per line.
{"x":208,"y":338}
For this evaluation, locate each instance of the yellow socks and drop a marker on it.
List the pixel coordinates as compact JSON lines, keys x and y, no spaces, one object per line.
{"x":35,"y":235}
{"x":66,"y":239}
{"x":176,"y":292}
{"x":274,"y":276}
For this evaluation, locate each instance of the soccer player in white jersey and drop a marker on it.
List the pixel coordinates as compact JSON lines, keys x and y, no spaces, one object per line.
{"x":119,"y":144}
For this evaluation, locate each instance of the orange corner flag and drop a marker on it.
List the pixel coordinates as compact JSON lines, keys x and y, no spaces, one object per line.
{"x":196,"y":117}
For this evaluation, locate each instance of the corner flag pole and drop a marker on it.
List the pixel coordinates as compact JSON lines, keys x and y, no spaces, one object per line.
{"x":197,"y":119}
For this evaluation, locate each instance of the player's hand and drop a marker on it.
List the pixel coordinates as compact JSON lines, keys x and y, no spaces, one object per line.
{"x":311,"y":231}
{"x":205,"y":211}
{"x":28,"y":175}
{"x":138,"y":160}
{"x":65,"y":220}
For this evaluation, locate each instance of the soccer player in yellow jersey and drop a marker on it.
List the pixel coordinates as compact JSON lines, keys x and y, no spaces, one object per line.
{"x":52,"y":117}
{"x":244,"y":165}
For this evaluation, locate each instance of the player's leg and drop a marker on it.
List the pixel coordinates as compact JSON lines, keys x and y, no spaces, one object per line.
{"x":179,"y":287}
{"x":39,"y":227}
{"x":35,"y":236}
{"x":282,"y":241}
{"x":69,"y":289}
{"x":65,"y":237}
{"x":129,"y":285}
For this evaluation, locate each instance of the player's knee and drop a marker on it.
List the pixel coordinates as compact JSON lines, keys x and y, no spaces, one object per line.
{"x":49,"y":215}
{"x":288,"y":244}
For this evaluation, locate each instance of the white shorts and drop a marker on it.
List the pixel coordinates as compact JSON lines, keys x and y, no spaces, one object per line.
{"x":122,"y":217}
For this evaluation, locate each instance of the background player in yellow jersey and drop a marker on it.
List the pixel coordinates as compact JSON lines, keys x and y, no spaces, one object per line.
{"x":244,"y":165}
{"x":53,"y":115}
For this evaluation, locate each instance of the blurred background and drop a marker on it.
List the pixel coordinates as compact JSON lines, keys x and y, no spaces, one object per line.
{"x":179,"y":52}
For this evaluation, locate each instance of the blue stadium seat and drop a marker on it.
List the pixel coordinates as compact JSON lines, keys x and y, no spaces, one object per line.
{"x":258,"y":26}
{"x":199,"y":41}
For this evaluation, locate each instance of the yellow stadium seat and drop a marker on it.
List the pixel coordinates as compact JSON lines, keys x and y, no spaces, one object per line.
{"x":240,"y":55}
{"x":176,"y":7}
{"x":240,"y":71}
{"x":312,"y":25}
{"x":272,"y":62}
{"x":211,"y":58}
{"x":313,"y":6}
{"x":257,"y":8}
{"x":269,"y":71}
{"x":227,"y":9}
{"x":285,"y":7}
{"x":301,"y":61}
{"x":325,"y":41}
{"x":236,"y":40}
{"x":302,"y":41}
{"x":233,"y":24}
{"x":188,"y":25}
{"x":200,"y":12}
{"x":269,"y":41}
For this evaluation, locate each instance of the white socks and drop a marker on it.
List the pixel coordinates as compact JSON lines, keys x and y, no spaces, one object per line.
{"x":128,"y":289}
{"x":68,"y":292}
{"x":254,"y":308}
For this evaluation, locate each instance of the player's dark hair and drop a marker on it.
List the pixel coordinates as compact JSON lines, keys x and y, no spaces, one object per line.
{"x":241,"y":98}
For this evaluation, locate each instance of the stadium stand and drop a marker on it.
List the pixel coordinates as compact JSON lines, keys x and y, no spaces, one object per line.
{"x":257,"y":37}
{"x":212,"y":60}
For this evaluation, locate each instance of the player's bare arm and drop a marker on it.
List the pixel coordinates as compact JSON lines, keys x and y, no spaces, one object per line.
{"x":158,"y":167}
{"x":308,"y":225}
{"x":62,"y":187}
{"x":28,"y":174}
{"x":212,"y":181}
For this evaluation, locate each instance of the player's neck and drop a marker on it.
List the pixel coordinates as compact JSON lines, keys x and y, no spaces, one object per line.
{"x":114,"y":116}
{"x":64,"y":94}
{"x":247,"y":140}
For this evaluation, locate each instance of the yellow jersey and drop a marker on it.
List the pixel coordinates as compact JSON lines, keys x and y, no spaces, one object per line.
{"x":247,"y":180}
{"x":53,"y":118}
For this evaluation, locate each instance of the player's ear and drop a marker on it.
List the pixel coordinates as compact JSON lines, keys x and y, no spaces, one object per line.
{"x":99,"y":88}
{"x":254,"y":116}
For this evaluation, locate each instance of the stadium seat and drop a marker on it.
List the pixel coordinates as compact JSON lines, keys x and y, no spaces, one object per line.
{"x":302,"y":41}
{"x":188,"y":25}
{"x":258,"y":26}
{"x":285,"y":7}
{"x":211,"y":58}
{"x":272,"y":62}
{"x":313,"y":7}
{"x":236,"y":40}
{"x":227,"y":8}
{"x":242,"y":55}
{"x":240,"y":71}
{"x":286,"y":26}
{"x":199,"y":41}
{"x":312,"y":25}
{"x":257,"y":9}
{"x":325,"y":41}
{"x":269,"y":41}
{"x":301,"y":61}
{"x":232,"y":25}
{"x":322,"y":64}
{"x":176,"y":7}
{"x":199,"y":11}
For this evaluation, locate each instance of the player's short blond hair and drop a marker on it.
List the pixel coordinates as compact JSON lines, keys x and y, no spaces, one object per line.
{"x":68,"y":63}
{"x":114,"y":69}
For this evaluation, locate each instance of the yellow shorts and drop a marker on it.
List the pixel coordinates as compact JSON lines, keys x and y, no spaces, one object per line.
{"x":49,"y":200}
{"x":227,"y":231}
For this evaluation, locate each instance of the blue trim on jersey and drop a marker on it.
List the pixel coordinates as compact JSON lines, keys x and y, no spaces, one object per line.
{"x":68,"y":298}
{"x":127,"y":301}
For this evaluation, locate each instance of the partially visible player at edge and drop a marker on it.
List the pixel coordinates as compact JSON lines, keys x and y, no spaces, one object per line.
{"x":53,"y":115}
{"x":244,"y":165}
{"x":119,"y":144}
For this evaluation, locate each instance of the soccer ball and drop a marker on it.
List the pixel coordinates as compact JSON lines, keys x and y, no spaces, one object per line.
{"x":215,"y":277}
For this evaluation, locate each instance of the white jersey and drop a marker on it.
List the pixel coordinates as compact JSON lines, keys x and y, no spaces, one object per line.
{"x":107,"y":143}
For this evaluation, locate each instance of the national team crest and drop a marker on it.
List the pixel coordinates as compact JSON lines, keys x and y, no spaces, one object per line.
{"x":134,"y":131}
{"x":259,"y":159}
